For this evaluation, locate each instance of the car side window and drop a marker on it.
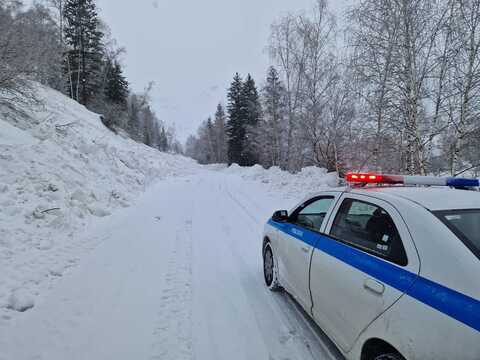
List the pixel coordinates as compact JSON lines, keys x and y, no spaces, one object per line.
{"x":370,"y":228}
{"x":312,"y":214}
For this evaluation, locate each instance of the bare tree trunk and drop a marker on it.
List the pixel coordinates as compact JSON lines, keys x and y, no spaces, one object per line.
{"x":381,"y":108}
{"x":70,"y":78}
{"x":79,"y":70}
{"x":440,"y":91}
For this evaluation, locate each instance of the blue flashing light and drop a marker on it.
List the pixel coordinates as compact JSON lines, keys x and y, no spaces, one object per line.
{"x":459,"y":182}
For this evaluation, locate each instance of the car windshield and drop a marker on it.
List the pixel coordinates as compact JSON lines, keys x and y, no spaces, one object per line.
{"x":465,"y":224}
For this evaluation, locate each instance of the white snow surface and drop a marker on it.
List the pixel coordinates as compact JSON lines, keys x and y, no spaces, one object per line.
{"x":150,"y":256}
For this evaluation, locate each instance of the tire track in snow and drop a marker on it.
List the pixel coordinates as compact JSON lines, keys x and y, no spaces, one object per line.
{"x":244,"y":209}
{"x":302,"y":335}
{"x":173,"y":330}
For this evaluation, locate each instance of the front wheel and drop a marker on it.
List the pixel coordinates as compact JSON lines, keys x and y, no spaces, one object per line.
{"x":270,"y":270}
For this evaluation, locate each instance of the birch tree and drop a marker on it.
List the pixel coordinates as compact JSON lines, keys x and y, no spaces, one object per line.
{"x":372,"y":39}
{"x":320,"y":73}
{"x":466,"y":79}
{"x":288,"y":51}
{"x":395,"y":53}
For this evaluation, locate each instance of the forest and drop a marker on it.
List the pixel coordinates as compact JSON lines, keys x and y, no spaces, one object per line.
{"x":391,"y":86}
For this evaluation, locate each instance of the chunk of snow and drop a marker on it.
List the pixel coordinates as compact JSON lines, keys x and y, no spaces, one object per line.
{"x":97,"y":211}
{"x":21,"y":300}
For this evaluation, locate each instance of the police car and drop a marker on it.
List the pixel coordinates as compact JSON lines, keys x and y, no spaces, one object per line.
{"x":388,"y":271}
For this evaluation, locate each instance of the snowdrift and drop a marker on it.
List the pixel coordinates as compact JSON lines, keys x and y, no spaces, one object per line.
{"x":60,"y":169}
{"x":282,"y":183}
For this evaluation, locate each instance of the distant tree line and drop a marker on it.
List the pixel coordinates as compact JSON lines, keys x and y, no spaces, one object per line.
{"x":65,"y":45}
{"x":231,"y":137}
{"x":396,"y":90}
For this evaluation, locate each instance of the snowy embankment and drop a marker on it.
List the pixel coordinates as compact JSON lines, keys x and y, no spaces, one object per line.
{"x":61,"y":171}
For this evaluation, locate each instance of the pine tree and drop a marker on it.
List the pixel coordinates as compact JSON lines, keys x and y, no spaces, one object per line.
{"x":211,"y":142}
{"x":220,"y":132}
{"x":83,"y":58}
{"x":163,"y":140}
{"x":235,"y":126}
{"x":251,"y":113}
{"x":116,"y":87}
{"x":273,"y":124}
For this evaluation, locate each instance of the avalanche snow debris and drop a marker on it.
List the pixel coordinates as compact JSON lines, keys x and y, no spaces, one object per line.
{"x":60,"y":169}
{"x":309,"y":180}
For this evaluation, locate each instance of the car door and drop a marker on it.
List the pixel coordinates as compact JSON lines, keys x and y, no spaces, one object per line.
{"x":361,"y":268}
{"x":297,"y":240}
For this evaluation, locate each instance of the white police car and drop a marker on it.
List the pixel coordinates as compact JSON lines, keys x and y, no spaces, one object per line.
{"x":388,"y":272}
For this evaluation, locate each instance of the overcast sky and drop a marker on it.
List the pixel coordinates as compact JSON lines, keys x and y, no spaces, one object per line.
{"x":192,"y":48}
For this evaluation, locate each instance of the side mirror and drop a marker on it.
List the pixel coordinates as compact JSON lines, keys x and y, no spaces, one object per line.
{"x":280,"y":216}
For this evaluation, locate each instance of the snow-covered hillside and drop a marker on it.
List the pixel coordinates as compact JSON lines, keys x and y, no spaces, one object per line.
{"x":60,"y":170}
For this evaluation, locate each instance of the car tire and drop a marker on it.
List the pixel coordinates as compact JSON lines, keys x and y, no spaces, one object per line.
{"x":270,"y":270}
{"x":389,"y":357}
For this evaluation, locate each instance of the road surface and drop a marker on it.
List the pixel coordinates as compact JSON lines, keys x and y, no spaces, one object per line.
{"x":177,"y":276}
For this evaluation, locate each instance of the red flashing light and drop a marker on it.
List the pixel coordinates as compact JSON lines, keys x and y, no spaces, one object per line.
{"x":364,"y":178}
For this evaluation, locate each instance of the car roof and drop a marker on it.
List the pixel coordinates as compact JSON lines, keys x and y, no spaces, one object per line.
{"x":432,"y":198}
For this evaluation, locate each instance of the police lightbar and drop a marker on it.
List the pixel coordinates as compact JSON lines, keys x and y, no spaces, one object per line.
{"x":370,"y":178}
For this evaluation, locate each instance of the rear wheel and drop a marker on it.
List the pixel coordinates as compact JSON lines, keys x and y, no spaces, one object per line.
{"x":270,"y":271}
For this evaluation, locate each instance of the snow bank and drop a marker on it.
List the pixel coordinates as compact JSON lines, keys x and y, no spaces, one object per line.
{"x":282,"y":183}
{"x":60,"y":168}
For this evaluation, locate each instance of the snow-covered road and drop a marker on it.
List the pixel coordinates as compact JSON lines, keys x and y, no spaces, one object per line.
{"x":177,"y":276}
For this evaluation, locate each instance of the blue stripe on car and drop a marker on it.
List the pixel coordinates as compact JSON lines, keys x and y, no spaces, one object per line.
{"x":448,"y":301}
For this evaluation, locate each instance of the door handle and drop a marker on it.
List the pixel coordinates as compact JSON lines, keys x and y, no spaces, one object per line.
{"x":306,"y":249}
{"x":374,"y":286}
